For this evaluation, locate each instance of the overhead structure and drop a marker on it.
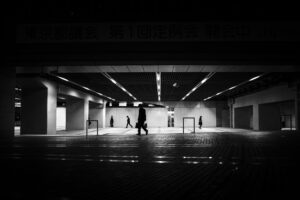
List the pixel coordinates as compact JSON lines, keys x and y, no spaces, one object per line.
{"x":233,"y":87}
{"x":198,"y":85}
{"x":83,"y":87}
{"x":118,"y":84}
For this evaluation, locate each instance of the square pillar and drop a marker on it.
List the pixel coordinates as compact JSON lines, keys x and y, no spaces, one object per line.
{"x":297,"y":107}
{"x":77,"y":112}
{"x":38,"y":111}
{"x":255,"y":121}
{"x":96,"y":113}
{"x":104,"y":114}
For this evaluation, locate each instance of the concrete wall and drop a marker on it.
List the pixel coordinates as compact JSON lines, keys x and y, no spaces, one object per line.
{"x":60,"y":118}
{"x":78,"y":108}
{"x":244,"y":117}
{"x":288,"y":108}
{"x":269,"y":117}
{"x":119,"y":116}
{"x":7,"y":102}
{"x":96,"y":113}
{"x":225,"y":121}
{"x":75,"y":114}
{"x":182,"y":109}
{"x":272,"y":95}
{"x":156,"y":117}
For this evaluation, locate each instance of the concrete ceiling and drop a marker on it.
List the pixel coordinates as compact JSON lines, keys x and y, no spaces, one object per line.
{"x":174,"y":85}
{"x":176,"y":80}
{"x":159,"y":68}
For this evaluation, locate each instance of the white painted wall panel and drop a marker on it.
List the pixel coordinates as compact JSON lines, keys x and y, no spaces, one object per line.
{"x":61,"y":118}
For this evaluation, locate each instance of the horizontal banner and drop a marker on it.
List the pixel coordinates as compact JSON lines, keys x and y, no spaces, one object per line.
{"x":157,"y":32}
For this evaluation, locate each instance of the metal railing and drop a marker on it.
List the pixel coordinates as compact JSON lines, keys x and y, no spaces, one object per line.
{"x":193,"y":118}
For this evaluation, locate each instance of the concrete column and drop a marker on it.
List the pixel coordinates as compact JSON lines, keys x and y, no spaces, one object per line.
{"x":231,"y":116}
{"x":297,"y":107}
{"x":7,"y":102}
{"x":77,"y":112}
{"x":230,"y":103}
{"x":255,"y":120}
{"x":219,"y":115}
{"x":104,"y":114}
{"x":38,"y":111}
{"x":96,"y":113}
{"x":86,"y":112}
{"x":51,"y":106}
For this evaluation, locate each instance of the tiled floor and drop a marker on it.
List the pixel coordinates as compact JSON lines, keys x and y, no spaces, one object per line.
{"x":133,"y":131}
{"x":211,"y":164}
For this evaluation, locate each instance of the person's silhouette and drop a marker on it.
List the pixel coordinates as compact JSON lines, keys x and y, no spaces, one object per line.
{"x":89,"y":120}
{"x":141,"y":120}
{"x":200,"y":122}
{"x":128,"y":122}
{"x":111,"y":121}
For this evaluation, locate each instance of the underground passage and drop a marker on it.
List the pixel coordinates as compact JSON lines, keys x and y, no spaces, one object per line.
{"x":102,"y":100}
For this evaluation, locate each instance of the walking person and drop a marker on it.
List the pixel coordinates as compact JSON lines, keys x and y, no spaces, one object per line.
{"x":141,"y":120}
{"x":111,"y":121}
{"x":128,"y":122}
{"x":200,"y":122}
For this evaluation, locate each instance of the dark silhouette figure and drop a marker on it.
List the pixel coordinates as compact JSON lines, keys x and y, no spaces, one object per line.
{"x":111,"y":121}
{"x":200,"y":122}
{"x":89,"y":119}
{"x":141,"y":120}
{"x":128,"y":122}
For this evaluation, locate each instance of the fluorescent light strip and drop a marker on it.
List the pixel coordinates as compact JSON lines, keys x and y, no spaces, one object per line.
{"x":62,"y":78}
{"x":254,"y":78}
{"x":158,"y":84}
{"x":86,"y":88}
{"x":118,"y":84}
{"x":231,"y":88}
{"x":198,"y":85}
{"x":113,"y":80}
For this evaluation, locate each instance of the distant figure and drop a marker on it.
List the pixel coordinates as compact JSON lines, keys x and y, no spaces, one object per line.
{"x":128,"y":122}
{"x":200,"y":122}
{"x":89,"y":119}
{"x":141,"y":120}
{"x":111,"y":121}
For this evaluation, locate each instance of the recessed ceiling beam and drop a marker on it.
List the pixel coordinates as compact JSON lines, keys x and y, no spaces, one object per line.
{"x":83,"y":87}
{"x":118,"y":84}
{"x":233,"y":87}
{"x":198,"y":85}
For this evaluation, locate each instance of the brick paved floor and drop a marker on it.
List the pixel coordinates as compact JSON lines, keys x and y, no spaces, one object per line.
{"x":206,"y":165}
